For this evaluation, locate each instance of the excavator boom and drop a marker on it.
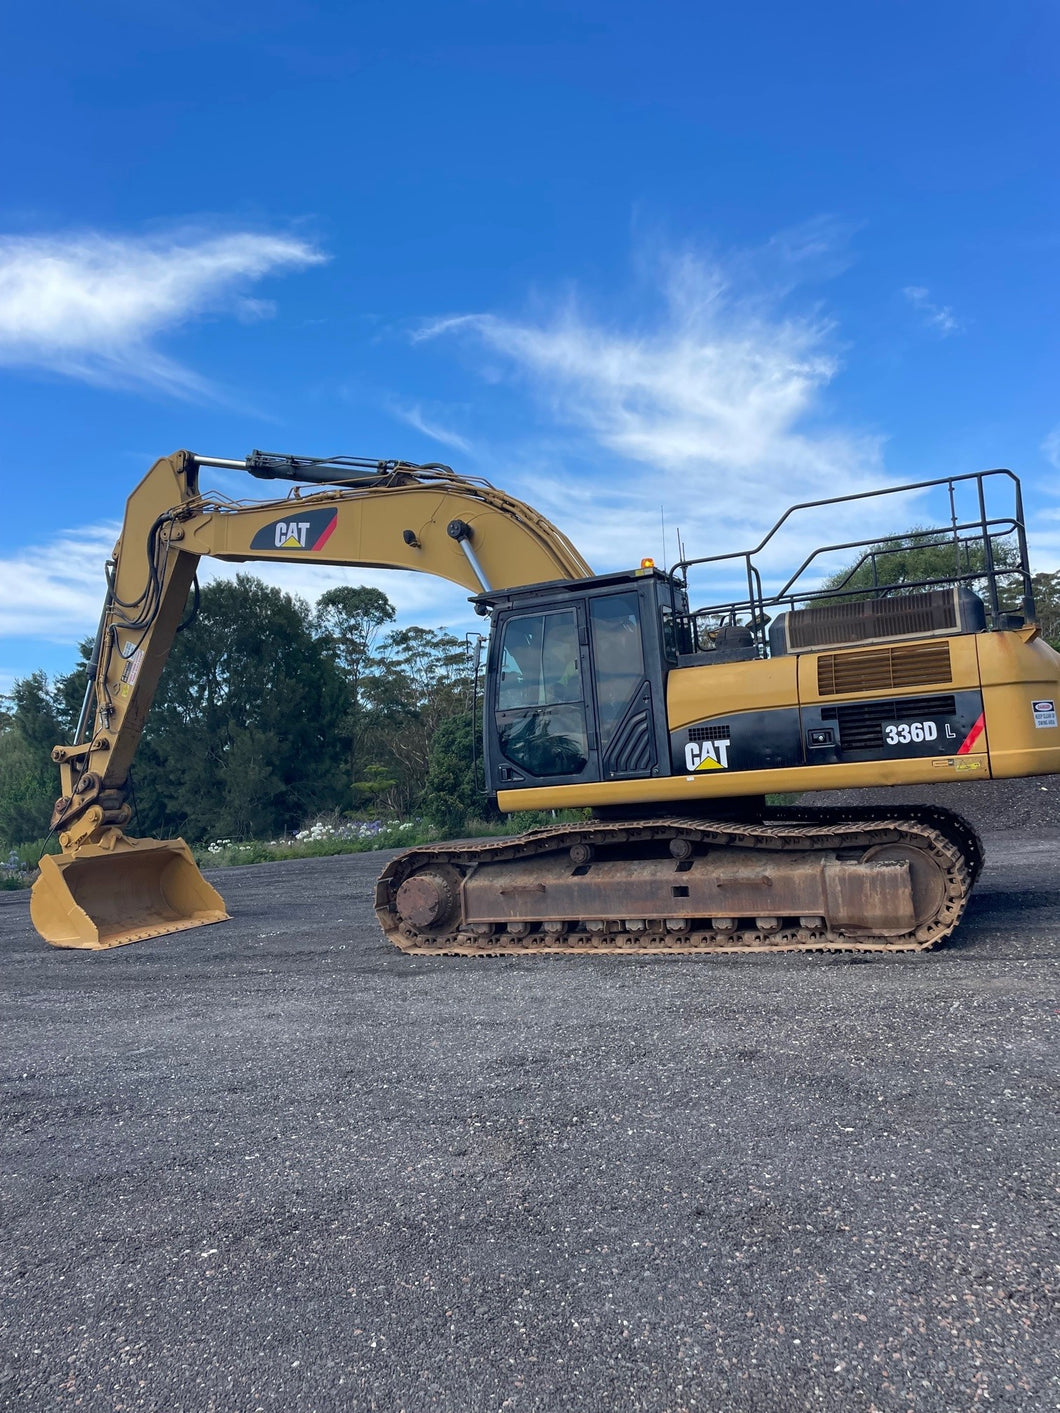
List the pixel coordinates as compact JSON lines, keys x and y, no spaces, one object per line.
{"x":104,"y":888}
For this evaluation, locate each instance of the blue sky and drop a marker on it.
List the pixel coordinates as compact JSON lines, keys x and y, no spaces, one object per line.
{"x":627,"y":260}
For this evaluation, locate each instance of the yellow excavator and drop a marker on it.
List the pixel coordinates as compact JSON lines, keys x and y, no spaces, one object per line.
{"x":670,"y":724}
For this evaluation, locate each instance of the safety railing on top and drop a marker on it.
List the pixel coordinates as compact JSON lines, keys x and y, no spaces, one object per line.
{"x":989,"y":554}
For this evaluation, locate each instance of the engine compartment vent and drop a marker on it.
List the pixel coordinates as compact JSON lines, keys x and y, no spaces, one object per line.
{"x":717,"y":732}
{"x":826,"y":625}
{"x":861,"y":723}
{"x":883,"y":669}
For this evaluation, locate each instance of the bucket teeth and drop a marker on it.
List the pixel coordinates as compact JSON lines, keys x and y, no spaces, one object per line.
{"x":103,"y":897}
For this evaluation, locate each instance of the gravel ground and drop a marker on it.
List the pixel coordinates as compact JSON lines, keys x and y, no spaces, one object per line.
{"x":277,"y":1165}
{"x":993,"y":806}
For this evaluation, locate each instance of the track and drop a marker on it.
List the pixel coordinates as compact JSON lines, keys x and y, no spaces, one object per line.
{"x":795,"y":880}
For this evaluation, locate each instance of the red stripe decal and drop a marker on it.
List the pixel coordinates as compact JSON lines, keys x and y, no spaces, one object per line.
{"x":968,"y":744}
{"x":326,"y":533}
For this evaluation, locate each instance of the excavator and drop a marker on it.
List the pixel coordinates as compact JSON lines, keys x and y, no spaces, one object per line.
{"x":671,"y":728}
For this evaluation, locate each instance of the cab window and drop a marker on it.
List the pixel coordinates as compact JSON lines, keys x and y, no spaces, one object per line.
{"x":618,"y":657}
{"x":540,"y":711}
{"x":540,"y":661}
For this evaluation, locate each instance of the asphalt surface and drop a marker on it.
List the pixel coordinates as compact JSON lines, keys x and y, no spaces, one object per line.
{"x":275,"y":1164}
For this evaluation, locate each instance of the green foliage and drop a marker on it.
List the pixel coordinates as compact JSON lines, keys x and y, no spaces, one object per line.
{"x":18,"y":865}
{"x":378,"y":782}
{"x":420,"y":679}
{"x":28,"y":779}
{"x":28,"y":854}
{"x":913,"y":558}
{"x":348,"y":620}
{"x":268,"y":714}
{"x":244,"y":736}
{"x":35,"y":715}
{"x":68,"y":693}
{"x":396,"y":836}
{"x":454,"y":795}
{"x":520,"y":821}
{"x":1046,"y":590}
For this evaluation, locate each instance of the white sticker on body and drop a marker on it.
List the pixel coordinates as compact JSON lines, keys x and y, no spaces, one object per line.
{"x":131,"y":670}
{"x":707,"y":755}
{"x":1044,"y":713}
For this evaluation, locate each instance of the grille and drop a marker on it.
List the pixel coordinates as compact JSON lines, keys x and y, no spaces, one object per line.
{"x":881,"y":669}
{"x":633,"y":749}
{"x":903,"y":616}
{"x":861,"y":723}
{"x":709,"y":733}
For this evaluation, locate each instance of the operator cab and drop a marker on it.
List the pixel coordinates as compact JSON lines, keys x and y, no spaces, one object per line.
{"x":576,"y":679}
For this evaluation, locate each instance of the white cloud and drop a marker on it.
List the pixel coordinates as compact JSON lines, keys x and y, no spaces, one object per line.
{"x":711,"y":408}
{"x":255,"y":311}
{"x":939,"y":317}
{"x":1051,"y":448}
{"x":91,"y":306}
{"x":53,"y":592}
{"x":415,"y":417}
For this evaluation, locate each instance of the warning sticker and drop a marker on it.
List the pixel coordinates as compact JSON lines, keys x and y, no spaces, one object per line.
{"x":1044,"y":713}
{"x":131,"y":670}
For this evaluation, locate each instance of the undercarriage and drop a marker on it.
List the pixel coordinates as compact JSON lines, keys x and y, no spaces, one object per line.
{"x":792,"y":880}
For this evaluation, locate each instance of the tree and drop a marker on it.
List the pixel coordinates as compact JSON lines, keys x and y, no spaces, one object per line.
{"x":422,"y":677}
{"x":1046,"y":590}
{"x":913,"y":558}
{"x":29,"y":782}
{"x":245,"y":735}
{"x":348,"y":620}
{"x":68,"y":693}
{"x":267,"y":714}
{"x":454,"y":789}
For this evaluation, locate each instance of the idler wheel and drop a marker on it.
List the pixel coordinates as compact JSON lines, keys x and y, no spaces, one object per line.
{"x":428,"y":899}
{"x":926,"y":876}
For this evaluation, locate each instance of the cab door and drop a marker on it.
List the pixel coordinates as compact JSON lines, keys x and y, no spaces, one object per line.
{"x":627,"y":701}
{"x":542,"y":731}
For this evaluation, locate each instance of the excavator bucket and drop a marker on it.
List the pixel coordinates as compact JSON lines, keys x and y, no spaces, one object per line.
{"x":103,"y":897}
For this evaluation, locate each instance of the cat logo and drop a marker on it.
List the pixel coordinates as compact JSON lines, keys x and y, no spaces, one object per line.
{"x":309,"y":531}
{"x":291,"y":536}
{"x":706,"y":755}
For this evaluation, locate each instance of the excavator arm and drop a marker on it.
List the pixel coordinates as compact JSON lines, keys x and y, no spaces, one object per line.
{"x":342,"y":511}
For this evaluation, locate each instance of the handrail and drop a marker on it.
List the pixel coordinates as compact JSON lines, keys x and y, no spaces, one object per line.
{"x":839,"y":500}
{"x":962,"y":533}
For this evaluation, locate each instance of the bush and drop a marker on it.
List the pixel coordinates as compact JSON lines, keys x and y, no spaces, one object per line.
{"x":321,"y":839}
{"x":19,"y":868}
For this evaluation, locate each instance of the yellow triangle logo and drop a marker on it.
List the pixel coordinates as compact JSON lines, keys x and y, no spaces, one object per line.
{"x":291,"y":542}
{"x":707,"y":763}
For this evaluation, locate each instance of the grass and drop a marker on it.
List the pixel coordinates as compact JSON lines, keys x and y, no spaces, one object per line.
{"x":325,"y":840}
{"x":232,"y":853}
{"x":19,"y":868}
{"x":396,"y":835}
